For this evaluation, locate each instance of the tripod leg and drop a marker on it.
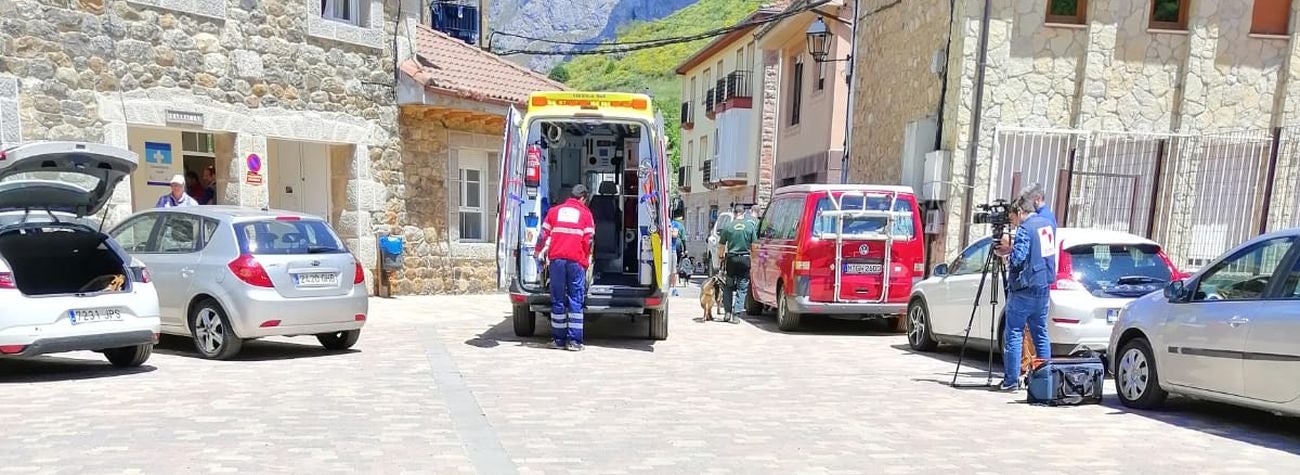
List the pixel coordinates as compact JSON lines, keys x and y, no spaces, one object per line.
{"x":984,"y":275}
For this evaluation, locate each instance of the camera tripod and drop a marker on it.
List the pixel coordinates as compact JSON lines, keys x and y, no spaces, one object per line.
{"x":993,"y":266}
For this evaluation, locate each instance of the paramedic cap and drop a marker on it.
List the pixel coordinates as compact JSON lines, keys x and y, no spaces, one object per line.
{"x":579,"y":191}
{"x":178,"y":179}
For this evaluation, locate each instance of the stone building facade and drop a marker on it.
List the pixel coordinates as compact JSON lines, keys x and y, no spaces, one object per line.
{"x":1081,"y":82}
{"x":294,"y":107}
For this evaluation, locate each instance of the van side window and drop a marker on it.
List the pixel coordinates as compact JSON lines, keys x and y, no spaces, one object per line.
{"x":771,"y":219}
{"x":792,"y":211}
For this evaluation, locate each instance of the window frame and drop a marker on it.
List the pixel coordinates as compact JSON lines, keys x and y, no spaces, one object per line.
{"x":1286,"y":25}
{"x":353,"y":5}
{"x":1178,"y":25}
{"x":472,"y":160}
{"x":1271,"y":288}
{"x":954,"y":269}
{"x":199,"y":241}
{"x":1280,"y":292}
{"x":1080,"y":16}
{"x":796,"y":90}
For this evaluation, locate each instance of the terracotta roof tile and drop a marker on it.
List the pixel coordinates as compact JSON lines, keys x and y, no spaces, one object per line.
{"x":450,"y":65}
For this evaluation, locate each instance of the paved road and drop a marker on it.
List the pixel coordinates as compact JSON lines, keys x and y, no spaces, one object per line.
{"x":441,"y":385}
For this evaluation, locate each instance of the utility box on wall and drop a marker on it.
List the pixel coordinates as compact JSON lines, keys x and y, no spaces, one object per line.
{"x":918,"y":140}
{"x":934,"y":186}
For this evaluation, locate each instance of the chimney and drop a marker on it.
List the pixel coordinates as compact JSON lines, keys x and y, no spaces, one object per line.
{"x":483,"y":34}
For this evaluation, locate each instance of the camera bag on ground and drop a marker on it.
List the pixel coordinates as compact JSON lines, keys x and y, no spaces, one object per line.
{"x":1067,"y":381}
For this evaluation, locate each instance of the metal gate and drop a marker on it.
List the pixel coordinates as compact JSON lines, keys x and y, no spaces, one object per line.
{"x":1197,"y":195}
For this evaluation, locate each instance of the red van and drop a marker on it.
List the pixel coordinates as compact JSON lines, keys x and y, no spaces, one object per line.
{"x":847,"y":251}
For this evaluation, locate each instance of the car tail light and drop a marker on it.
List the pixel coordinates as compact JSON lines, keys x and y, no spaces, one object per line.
{"x":653,"y":301}
{"x":518,"y":298}
{"x":1174,"y":273}
{"x":1065,"y":274}
{"x":141,"y":275}
{"x":247,"y":269}
{"x":270,"y":324}
{"x":7,"y":281}
{"x":360,"y":317}
{"x":359,"y":273}
{"x":12,"y":349}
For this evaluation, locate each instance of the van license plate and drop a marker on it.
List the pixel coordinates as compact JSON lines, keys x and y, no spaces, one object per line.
{"x":862,"y":268}
{"x":93,"y":315}
{"x":317,"y":279}
{"x":1112,"y":314}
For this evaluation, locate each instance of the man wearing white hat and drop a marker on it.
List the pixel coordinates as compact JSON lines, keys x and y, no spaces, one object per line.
{"x":176,"y":197}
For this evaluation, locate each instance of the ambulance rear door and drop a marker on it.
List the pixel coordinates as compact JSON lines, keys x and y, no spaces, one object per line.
{"x":510,"y":200}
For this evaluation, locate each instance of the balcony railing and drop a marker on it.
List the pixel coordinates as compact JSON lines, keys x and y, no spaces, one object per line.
{"x":720,"y":91}
{"x":706,"y":171}
{"x":688,"y":115}
{"x":739,"y":85}
{"x":709,"y":101}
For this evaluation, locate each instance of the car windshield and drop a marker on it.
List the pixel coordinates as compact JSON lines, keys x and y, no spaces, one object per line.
{"x":904,"y":227}
{"x":288,"y":237}
{"x":1119,"y":270}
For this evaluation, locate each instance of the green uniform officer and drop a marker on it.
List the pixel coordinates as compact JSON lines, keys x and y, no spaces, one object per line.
{"x":735,"y":241}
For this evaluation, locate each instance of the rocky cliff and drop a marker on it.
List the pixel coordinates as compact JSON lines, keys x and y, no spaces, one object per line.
{"x":567,"y":20}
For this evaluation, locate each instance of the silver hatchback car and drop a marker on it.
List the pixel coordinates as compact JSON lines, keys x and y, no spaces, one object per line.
{"x":227,"y":274}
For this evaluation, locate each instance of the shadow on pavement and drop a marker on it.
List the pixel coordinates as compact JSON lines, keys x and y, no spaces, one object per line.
{"x":819,"y":325}
{"x":253,"y":350}
{"x":603,"y":331}
{"x":1238,"y":423}
{"x":46,"y":369}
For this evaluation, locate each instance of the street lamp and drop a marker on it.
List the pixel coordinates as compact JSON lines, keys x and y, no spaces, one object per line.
{"x":819,"y":42}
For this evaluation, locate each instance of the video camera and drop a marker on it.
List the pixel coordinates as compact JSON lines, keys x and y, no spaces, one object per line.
{"x":997,"y":213}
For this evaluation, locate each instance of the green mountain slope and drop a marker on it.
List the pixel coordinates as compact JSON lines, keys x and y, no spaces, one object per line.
{"x":652,"y":69}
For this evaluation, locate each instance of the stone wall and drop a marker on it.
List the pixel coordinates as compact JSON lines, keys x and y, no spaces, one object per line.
{"x":90,"y":70}
{"x":436,"y":263}
{"x":896,"y":46}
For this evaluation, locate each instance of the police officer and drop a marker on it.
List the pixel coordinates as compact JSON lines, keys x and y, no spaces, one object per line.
{"x":565,"y":243}
{"x":734,"y":244}
{"x":1031,"y":267}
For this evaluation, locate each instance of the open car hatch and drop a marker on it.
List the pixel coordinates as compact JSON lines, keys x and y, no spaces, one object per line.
{"x":73,"y":177}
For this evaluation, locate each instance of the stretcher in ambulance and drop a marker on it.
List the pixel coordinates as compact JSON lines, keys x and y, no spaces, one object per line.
{"x":612,"y":143}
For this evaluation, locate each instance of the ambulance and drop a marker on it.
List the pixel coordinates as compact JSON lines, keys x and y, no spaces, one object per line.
{"x":614,"y":144}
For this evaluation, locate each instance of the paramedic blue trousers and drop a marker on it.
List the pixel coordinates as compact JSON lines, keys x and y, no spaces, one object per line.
{"x":567,"y":295}
{"x":1024,"y":307}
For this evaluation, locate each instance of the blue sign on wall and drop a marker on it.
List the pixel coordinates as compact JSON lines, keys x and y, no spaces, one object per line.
{"x":158,"y":160}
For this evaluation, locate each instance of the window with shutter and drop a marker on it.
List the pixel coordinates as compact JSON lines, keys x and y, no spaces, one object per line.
{"x":1271,"y":17}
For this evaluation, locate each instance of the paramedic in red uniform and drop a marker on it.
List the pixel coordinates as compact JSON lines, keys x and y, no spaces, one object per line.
{"x":569,"y":229}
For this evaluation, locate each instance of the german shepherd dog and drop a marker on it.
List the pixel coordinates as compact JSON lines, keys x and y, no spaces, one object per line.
{"x":711,"y":295}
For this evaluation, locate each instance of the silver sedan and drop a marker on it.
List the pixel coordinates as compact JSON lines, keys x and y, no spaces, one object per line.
{"x":1230,"y":333}
{"x":227,"y":274}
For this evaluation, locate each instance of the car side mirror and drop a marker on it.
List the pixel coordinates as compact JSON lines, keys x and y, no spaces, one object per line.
{"x":1176,"y":291}
{"x":940,"y":270}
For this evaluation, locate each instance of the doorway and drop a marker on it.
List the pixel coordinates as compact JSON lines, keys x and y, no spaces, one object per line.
{"x":299,"y":177}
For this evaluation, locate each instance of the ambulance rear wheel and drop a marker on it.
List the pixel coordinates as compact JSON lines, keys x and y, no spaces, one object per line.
{"x":658,"y":325}
{"x":525,"y":321}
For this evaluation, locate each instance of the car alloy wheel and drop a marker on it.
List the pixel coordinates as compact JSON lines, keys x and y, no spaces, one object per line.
{"x":1133,"y":374}
{"x":209,"y":331}
{"x":916,"y":326}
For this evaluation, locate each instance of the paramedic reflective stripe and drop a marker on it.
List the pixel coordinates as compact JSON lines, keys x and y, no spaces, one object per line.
{"x":575,"y":232}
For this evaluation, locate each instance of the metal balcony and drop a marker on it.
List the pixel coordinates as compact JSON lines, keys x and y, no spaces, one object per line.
{"x":688,"y":116}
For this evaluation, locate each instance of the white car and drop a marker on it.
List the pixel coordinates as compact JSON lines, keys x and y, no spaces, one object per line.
{"x":711,"y":259}
{"x":1230,"y":333}
{"x":1098,"y":272}
{"x":65,"y":286}
{"x":228,"y":274}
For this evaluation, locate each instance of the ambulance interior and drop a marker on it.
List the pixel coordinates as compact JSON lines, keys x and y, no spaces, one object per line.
{"x":603,"y":156}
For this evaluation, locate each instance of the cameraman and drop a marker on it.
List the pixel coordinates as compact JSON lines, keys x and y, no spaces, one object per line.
{"x":1031,"y":259}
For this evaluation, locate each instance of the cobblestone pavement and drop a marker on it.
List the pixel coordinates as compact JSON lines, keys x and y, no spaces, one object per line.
{"x":441,"y":385}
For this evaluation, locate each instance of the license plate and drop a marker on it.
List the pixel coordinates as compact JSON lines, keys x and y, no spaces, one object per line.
{"x":93,"y":315}
{"x":317,"y":279}
{"x":853,"y":268}
{"x":1112,"y":314}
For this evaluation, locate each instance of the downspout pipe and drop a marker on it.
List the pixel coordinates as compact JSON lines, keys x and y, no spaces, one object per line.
{"x":848,"y":79}
{"x":977,"y":112}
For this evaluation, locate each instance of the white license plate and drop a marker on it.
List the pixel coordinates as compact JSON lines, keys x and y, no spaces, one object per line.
{"x":317,"y":279}
{"x":863,"y":268}
{"x":93,"y":315}
{"x":1112,"y":315}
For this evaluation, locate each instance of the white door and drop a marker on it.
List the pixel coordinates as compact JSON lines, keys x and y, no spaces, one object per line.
{"x":300,"y":177}
{"x":950,"y":310}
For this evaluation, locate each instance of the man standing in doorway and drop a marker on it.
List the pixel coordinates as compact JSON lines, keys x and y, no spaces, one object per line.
{"x":733,"y":245}
{"x":565,"y":244}
{"x":209,"y":182}
{"x":177,"y":197}
{"x":1031,"y":267}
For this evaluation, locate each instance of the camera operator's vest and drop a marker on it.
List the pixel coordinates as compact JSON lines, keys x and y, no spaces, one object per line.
{"x":1039,"y":268}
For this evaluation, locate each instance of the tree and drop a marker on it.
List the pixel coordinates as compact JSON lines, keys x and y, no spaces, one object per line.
{"x":559,"y":73}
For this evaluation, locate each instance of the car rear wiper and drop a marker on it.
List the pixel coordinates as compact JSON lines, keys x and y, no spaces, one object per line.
{"x":1135,"y":279}
{"x":321,"y":249}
